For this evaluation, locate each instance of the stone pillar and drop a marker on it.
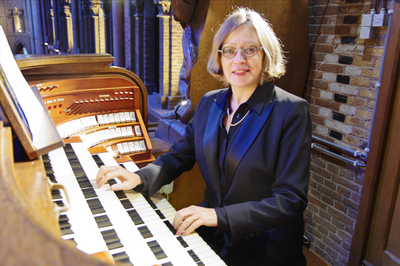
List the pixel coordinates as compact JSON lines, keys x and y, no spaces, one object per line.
{"x":138,"y":53}
{"x":118,"y":33}
{"x":170,"y":54}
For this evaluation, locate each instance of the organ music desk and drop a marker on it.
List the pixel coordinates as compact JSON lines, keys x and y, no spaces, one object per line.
{"x":101,"y":114}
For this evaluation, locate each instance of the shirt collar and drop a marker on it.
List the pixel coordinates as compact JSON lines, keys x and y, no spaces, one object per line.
{"x":262,"y":95}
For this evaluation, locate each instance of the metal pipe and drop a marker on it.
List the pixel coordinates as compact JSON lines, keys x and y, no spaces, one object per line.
{"x":355,"y":154}
{"x":337,"y":156}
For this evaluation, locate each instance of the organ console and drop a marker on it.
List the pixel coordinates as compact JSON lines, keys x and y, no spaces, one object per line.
{"x":100,"y":112}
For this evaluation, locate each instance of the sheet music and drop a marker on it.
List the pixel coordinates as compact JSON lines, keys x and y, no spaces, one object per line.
{"x":29,"y":103}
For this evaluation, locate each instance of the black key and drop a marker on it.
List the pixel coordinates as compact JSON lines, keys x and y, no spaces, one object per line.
{"x":55,"y":194}
{"x":135,"y":217}
{"x":98,"y":160}
{"x":193,"y":255}
{"x":111,"y":182}
{"x":52,"y":178}
{"x":145,"y":232}
{"x":120,"y":194}
{"x":127,"y":204}
{"x":102,"y":221}
{"x":121,"y":257}
{"x":59,"y":203}
{"x":85,"y":184}
{"x":66,"y":231}
{"x":111,"y":239}
{"x":160,"y":214}
{"x":156,"y":249}
{"x":95,"y":206}
{"x":169,"y":225}
{"x":151,"y":202}
{"x":182,"y":241}
{"x":167,"y":264}
{"x":89,"y":193}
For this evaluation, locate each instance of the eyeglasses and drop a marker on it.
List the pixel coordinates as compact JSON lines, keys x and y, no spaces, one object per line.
{"x":247,"y":51}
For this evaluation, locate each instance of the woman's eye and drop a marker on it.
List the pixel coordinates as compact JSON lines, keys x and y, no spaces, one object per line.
{"x":229,"y":51}
{"x":250,"y":50}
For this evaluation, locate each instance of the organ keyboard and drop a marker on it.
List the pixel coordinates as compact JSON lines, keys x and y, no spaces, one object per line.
{"x":133,"y":229}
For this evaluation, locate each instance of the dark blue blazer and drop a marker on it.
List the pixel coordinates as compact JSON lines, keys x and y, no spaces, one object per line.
{"x":269,"y":166}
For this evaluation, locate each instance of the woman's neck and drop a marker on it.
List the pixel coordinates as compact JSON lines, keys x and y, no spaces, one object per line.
{"x":240,"y":96}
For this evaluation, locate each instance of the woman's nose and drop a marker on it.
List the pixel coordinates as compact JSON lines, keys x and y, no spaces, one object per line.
{"x":239,"y":57}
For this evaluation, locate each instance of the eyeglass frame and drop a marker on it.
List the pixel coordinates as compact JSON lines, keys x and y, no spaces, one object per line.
{"x":241,"y":49}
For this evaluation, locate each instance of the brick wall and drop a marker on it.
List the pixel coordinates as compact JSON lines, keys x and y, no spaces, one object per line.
{"x":171,"y":55}
{"x":341,"y":91}
{"x":176,"y":56}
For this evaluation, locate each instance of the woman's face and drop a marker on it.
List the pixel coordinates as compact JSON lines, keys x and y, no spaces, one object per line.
{"x":242,"y":72}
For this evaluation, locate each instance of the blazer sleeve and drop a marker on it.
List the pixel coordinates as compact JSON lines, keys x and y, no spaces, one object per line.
{"x":171,"y":165}
{"x":289,"y":197}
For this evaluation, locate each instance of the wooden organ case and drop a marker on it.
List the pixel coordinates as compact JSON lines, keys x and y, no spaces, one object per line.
{"x":107,"y":108}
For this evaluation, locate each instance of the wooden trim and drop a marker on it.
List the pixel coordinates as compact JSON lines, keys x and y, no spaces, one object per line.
{"x":378,"y":145}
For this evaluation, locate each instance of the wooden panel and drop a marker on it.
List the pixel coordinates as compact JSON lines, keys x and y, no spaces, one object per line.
{"x":188,"y":189}
{"x":381,"y":182}
{"x":391,"y":256}
{"x":27,"y":231}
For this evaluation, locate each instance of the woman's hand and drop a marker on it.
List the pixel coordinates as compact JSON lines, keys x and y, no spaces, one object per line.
{"x":192,"y":217}
{"x":129,"y":180}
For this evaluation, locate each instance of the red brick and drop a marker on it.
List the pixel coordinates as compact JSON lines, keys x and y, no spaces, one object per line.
{"x":331,"y":68}
{"x":345,"y":183}
{"x":324,"y":10}
{"x":327,"y":200}
{"x":334,"y":195}
{"x":329,"y":184}
{"x":335,"y":238}
{"x":314,"y":109}
{"x":328,"y":104}
{"x":315,"y":74}
{"x":324,"y":215}
{"x":316,"y":202}
{"x":320,"y":84}
{"x":343,"y":191}
{"x":340,"y":30}
{"x":333,"y":168}
{"x":320,"y":163}
{"x":340,"y":207}
{"x":340,"y":216}
{"x":323,"y":48}
{"x":323,"y":230}
{"x":312,"y":207}
{"x":351,"y":204}
{"x":317,"y":178}
{"x":354,"y":9}
{"x":319,"y":57}
{"x":355,"y":197}
{"x":345,"y":236}
{"x":320,"y":172}
{"x":338,"y":223}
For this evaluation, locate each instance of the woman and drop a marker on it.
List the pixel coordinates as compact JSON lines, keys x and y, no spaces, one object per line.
{"x":252,"y":144}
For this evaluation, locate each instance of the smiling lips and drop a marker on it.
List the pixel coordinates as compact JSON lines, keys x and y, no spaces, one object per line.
{"x":240,"y":71}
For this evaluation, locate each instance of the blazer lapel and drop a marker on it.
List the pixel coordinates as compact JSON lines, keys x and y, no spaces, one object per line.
{"x":210,"y":142}
{"x":252,"y":125}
